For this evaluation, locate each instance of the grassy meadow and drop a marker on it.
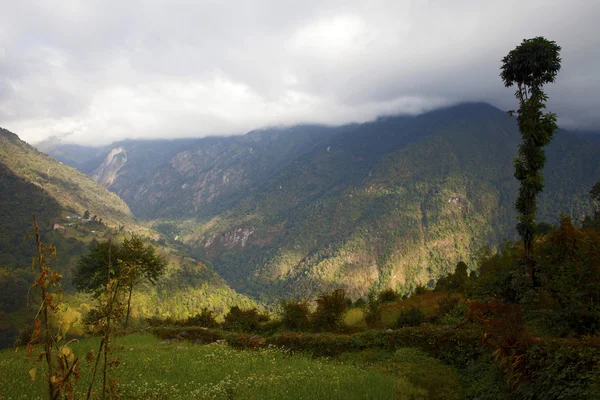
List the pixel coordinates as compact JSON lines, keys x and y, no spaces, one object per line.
{"x":151,"y":369}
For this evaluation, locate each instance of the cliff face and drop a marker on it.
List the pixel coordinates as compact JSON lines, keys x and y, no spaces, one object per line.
{"x":107,"y":172}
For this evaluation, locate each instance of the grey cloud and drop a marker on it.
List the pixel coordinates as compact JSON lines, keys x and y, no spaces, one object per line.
{"x":102,"y":71}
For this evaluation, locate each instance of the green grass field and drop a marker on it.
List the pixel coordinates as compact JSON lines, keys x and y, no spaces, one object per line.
{"x":181,"y":370}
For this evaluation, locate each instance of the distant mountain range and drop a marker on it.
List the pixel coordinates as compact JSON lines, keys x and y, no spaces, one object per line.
{"x":395,"y":202}
{"x":31,"y":181}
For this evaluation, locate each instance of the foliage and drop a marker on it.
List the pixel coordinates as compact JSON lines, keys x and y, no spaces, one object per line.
{"x":455,"y":281}
{"x":567,"y":269}
{"x":206,"y":318}
{"x":420,"y":289}
{"x":373,"y":315}
{"x":449,"y":170}
{"x":239,"y":320}
{"x":595,"y":192}
{"x":330,"y":310}
{"x":62,"y":365}
{"x":134,"y":262}
{"x":388,"y":295}
{"x":566,"y":370}
{"x":504,"y":333}
{"x":568,"y":266}
{"x":411,"y":317}
{"x":71,"y":189}
{"x":499,"y":275}
{"x":531,"y":65}
{"x":295,"y":315}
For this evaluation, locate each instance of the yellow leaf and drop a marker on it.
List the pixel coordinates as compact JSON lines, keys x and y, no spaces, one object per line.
{"x":32,"y":373}
{"x":64,"y":327}
{"x":66,"y":351}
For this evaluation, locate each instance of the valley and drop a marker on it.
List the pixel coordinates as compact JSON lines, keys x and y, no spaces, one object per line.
{"x":396,"y":202}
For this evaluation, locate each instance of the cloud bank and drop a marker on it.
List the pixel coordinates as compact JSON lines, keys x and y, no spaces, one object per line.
{"x":95,"y":72}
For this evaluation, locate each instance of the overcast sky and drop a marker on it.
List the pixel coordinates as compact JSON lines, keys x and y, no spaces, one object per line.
{"x":99,"y":71}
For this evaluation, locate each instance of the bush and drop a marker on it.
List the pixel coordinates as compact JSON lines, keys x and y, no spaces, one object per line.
{"x":193,"y":334}
{"x":456,"y":281}
{"x":373,"y":315}
{"x":330,"y":310}
{"x":388,"y":296}
{"x":421,"y":289}
{"x":448,"y":304}
{"x":412,"y":317}
{"x":205,"y":319}
{"x":452,"y":310}
{"x":295,"y":315}
{"x":360,"y":302}
{"x":568,"y":270}
{"x":565,"y":370}
{"x":239,"y":320}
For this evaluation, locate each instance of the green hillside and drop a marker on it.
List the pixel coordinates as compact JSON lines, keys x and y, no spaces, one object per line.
{"x":73,"y":190}
{"x":30,"y":182}
{"x":394,"y":202}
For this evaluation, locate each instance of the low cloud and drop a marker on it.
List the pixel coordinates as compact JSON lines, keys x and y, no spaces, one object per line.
{"x":95,"y":72}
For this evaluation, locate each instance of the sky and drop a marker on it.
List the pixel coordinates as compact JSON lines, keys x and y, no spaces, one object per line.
{"x":92,"y":72}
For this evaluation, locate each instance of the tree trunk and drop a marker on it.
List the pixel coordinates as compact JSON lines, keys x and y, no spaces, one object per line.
{"x":128,"y":306}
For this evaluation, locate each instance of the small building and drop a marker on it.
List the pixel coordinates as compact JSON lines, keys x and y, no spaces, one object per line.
{"x":58,"y":227}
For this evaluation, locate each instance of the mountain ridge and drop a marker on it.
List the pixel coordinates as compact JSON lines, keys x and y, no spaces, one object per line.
{"x":394,"y":202}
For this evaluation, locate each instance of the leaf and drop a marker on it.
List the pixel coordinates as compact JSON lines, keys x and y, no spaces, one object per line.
{"x":66,"y":351}
{"x":64,"y":327}
{"x":32,"y":373}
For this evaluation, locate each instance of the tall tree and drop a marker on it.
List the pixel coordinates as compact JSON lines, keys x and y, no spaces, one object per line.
{"x":135,"y":263}
{"x":530,"y":66}
{"x":139,"y":263}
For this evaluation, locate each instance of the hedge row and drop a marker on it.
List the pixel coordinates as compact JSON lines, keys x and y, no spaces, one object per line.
{"x":456,"y":346}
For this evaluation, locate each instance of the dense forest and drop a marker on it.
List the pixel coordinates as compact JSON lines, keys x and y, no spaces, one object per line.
{"x":396,"y":202}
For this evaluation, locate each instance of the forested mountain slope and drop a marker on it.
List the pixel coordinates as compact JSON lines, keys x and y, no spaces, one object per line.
{"x":31,"y":181}
{"x":73,"y":190}
{"x":394,"y":202}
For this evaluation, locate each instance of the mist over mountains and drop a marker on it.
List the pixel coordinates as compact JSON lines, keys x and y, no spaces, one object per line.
{"x":298,"y":210}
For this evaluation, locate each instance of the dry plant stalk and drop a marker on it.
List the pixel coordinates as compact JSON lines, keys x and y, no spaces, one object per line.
{"x":62,"y":364}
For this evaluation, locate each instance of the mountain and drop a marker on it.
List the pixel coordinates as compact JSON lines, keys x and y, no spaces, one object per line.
{"x":31,"y":181}
{"x":73,"y":190}
{"x":395,"y":202}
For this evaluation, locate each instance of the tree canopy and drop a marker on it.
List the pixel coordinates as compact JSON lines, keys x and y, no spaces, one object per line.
{"x":131,"y":262}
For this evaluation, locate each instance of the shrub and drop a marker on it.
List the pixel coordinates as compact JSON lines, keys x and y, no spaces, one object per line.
{"x":568,"y":270}
{"x":457,"y":281}
{"x":421,"y":289}
{"x":193,"y":334}
{"x":295,"y":315}
{"x":330,"y":310}
{"x":448,"y":304}
{"x":360,"y":302}
{"x":566,"y":370}
{"x":239,"y":320}
{"x":206,"y":319}
{"x":388,"y":296}
{"x":373,"y":315}
{"x":452,"y":310}
{"x":412,"y":317}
